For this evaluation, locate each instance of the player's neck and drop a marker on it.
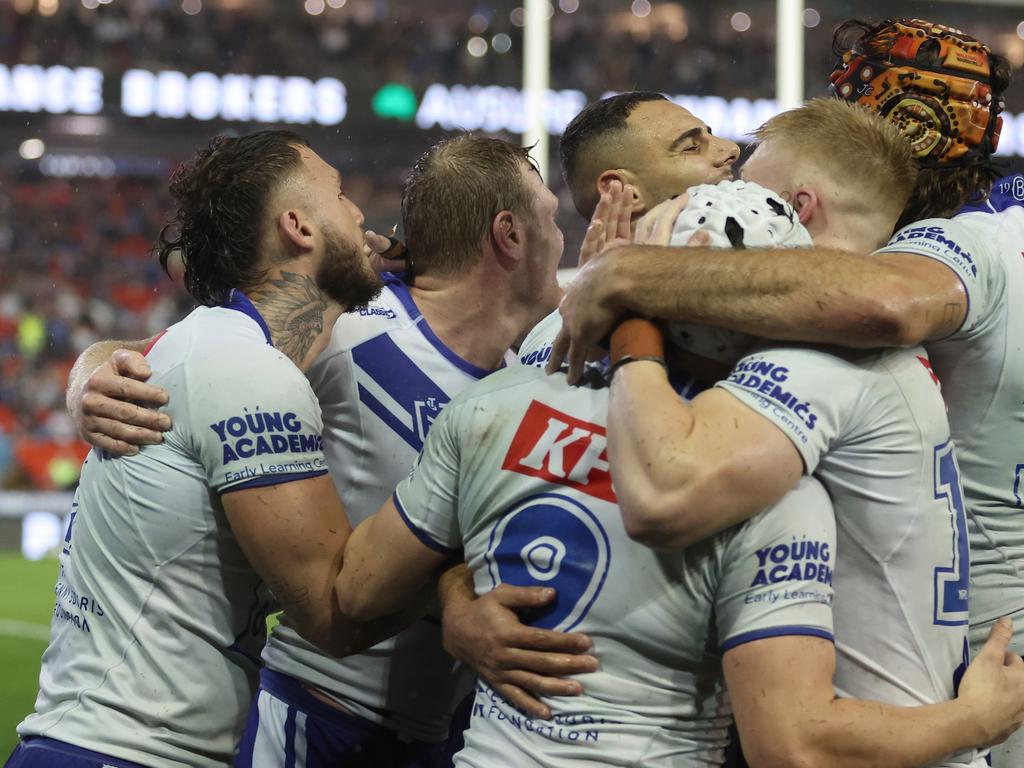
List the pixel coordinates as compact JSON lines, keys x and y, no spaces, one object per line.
{"x":866,"y":234}
{"x":476,"y":323}
{"x":300,"y":317}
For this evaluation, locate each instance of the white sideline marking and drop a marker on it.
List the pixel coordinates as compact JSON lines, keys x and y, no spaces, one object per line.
{"x":24,"y":629}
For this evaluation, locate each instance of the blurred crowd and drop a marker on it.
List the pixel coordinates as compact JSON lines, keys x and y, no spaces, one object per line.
{"x":685,"y":47}
{"x":76,"y":266}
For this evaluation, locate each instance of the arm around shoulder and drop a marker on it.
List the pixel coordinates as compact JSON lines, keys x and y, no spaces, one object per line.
{"x":110,"y":403}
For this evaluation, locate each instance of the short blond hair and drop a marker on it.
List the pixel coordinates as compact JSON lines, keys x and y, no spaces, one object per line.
{"x":853,"y":145}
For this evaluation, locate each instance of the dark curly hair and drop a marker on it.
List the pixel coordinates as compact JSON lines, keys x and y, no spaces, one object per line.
{"x":222,"y":194}
{"x":940,"y":191}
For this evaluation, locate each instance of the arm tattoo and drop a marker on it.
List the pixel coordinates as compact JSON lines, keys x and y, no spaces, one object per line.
{"x":294,"y":597}
{"x":293,"y":307}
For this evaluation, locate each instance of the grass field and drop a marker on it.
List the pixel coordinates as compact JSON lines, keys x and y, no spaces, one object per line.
{"x":26,"y":606}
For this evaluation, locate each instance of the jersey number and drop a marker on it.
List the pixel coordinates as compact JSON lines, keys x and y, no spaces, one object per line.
{"x":551,"y":540}
{"x":951,"y":583}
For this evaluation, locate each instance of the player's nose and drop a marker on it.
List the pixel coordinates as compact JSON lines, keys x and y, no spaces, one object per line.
{"x":727,"y":152}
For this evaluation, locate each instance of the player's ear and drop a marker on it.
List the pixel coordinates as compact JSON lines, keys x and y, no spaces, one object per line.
{"x":637,"y":203}
{"x":805,"y":203}
{"x":507,"y":236}
{"x":295,"y":230}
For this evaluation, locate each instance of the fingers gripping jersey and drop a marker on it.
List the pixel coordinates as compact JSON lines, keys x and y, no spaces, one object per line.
{"x":159,"y":618}
{"x":515,"y":472}
{"x":872,"y":427}
{"x":981,"y":367}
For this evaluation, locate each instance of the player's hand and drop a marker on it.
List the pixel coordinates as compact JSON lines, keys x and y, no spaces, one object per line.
{"x":115,"y":410}
{"x":655,"y":227}
{"x":993,"y":686}
{"x":610,"y":224}
{"x":588,"y":316}
{"x":382,"y":247}
{"x":518,"y":661}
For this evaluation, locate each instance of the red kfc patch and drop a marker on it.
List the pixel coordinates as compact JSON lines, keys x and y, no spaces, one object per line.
{"x":560,"y":448}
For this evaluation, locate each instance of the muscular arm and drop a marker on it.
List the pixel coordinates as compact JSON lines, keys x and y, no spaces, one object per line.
{"x":109,"y":402}
{"x":788,"y":715}
{"x":387,"y":568}
{"x":684,"y":472}
{"x":804,"y":294}
{"x":815,"y":295}
{"x":294,"y":536}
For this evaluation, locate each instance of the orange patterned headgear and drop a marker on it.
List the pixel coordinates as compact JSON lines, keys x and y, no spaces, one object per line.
{"x":932,"y":82}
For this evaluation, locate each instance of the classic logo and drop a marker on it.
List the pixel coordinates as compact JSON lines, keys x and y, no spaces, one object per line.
{"x":560,"y":448}
{"x":373,"y":310}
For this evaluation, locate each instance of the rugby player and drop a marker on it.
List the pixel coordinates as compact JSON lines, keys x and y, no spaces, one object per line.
{"x":639,"y":144}
{"x":485,"y":247}
{"x":943,"y":282}
{"x":162,"y":592}
{"x":515,"y":475}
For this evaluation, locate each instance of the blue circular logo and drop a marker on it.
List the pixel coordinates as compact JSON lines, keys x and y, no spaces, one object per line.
{"x":551,"y":541}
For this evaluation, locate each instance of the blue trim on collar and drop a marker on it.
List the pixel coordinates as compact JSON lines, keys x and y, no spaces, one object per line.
{"x":401,"y":290}
{"x":241,"y":303}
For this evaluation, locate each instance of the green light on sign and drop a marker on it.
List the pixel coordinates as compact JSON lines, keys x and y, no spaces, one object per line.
{"x":395,"y":100}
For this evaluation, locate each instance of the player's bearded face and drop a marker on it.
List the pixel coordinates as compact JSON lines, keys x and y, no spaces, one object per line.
{"x":345,"y":274}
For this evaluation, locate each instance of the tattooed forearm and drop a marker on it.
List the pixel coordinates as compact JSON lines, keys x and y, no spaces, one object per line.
{"x":293,"y":307}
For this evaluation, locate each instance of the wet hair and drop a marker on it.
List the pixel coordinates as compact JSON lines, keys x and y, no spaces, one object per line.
{"x":222,"y":196}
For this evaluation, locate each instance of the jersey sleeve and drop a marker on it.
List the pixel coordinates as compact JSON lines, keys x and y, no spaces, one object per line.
{"x":536,"y":347}
{"x":777,"y":571}
{"x":254,"y":420}
{"x":809,"y":394}
{"x":958,"y":246}
{"x":428,"y":498}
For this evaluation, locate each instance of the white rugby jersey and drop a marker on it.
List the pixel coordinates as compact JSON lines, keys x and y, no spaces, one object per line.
{"x":981,"y":367}
{"x":872,"y":427}
{"x":382,"y":381}
{"x":536,"y":347}
{"x":515,"y":471}
{"x":159,"y":618}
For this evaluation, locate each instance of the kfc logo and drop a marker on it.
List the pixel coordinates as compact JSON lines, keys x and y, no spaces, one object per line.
{"x":559,"y":448}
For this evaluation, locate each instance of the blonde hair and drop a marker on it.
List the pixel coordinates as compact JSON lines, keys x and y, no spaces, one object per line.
{"x":853,"y":145}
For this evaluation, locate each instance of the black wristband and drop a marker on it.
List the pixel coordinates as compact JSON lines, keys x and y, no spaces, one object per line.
{"x":627,"y":359}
